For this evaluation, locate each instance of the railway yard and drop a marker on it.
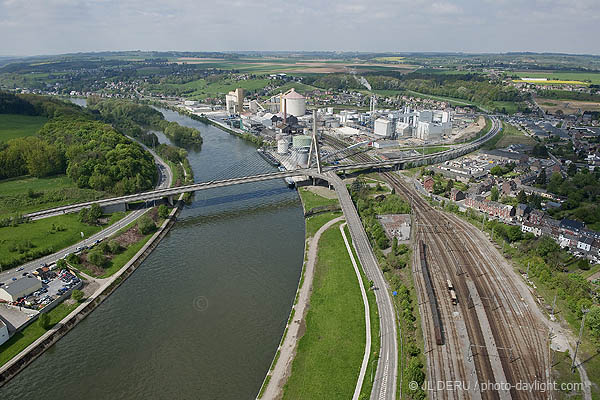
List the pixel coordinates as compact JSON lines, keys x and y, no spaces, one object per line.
{"x":486,"y":337}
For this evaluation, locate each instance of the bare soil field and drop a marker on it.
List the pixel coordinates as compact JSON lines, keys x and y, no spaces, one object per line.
{"x":567,"y":106}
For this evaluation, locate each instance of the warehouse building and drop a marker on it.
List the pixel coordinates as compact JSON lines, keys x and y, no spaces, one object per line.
{"x":19,"y":288}
{"x":3,"y":332}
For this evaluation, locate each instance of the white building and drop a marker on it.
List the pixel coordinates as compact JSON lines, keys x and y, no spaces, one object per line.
{"x":3,"y":332}
{"x":384,"y":127}
{"x":529,"y":227}
{"x":234,"y":101}
{"x":403,"y":129}
{"x":294,"y":103}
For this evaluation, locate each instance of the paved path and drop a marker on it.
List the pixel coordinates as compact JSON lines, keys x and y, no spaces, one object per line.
{"x":365,"y":361}
{"x":165,"y":180}
{"x":287,"y":349}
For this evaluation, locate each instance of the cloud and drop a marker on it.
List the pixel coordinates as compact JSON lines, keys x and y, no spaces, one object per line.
{"x":59,"y":26}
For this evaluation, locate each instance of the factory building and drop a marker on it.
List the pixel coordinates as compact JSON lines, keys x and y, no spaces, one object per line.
{"x":234,"y":101}
{"x":384,"y":127}
{"x":293,"y":103}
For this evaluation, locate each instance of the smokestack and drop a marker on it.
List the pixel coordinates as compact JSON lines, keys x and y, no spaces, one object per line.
{"x":284,"y":111}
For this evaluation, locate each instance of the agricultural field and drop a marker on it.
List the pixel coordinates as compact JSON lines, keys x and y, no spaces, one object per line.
{"x":559,"y":77}
{"x":567,"y":106}
{"x":201,"y":89}
{"x":289,"y":65}
{"x":28,"y":194}
{"x":14,"y":126}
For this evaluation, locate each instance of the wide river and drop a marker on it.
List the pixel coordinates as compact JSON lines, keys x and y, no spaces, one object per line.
{"x":201,"y":318}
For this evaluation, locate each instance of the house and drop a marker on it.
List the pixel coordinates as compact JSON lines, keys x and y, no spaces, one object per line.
{"x":428,"y":184}
{"x":522,"y":212}
{"x":456,"y":195}
{"x":536,"y":217}
{"x":508,"y":187}
{"x":529,"y":227}
{"x":570,"y":226}
{"x":585,"y":243}
{"x":20,"y":288}
{"x":567,"y":240}
{"x":492,"y":208}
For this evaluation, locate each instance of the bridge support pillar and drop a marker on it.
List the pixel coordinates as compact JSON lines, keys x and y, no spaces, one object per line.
{"x":170,"y":200}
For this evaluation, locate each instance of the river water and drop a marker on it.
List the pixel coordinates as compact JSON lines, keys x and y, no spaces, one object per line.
{"x":201,"y":318}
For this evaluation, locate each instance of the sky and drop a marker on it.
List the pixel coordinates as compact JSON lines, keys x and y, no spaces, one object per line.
{"x":34,"y":27}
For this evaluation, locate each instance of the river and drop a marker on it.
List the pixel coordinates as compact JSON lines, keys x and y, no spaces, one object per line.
{"x":202,"y":316}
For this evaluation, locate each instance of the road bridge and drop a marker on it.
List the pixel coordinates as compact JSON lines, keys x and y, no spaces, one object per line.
{"x":309,"y":172}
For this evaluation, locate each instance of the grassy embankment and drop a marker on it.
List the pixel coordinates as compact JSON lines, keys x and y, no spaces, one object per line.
{"x":28,"y":241}
{"x":507,"y":136}
{"x":117,"y":261}
{"x":28,"y":194}
{"x":19,"y":341}
{"x":330,"y":352}
{"x":335,"y":304}
{"x":14,"y":126}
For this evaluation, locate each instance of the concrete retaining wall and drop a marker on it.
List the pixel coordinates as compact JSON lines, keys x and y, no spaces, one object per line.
{"x":34,"y":350}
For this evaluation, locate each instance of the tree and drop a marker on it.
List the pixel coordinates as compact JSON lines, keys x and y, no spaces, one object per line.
{"x":495,"y":193}
{"x":146,"y":225}
{"x":97,"y":258}
{"x":572,"y":169}
{"x":44,"y":321}
{"x":114,"y":247}
{"x":61,"y":264}
{"x":77,"y":295}
{"x":522,"y":197}
{"x":593,"y":321}
{"x":163,"y":211}
{"x":541,"y":178}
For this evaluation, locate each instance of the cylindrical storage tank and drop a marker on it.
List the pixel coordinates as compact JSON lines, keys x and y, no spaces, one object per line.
{"x":300,"y":141}
{"x":302,"y":159}
{"x":295,"y":103}
{"x":283,"y":145}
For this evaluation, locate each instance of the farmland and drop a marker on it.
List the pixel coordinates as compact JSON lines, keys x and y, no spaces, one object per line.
{"x":14,"y":126}
{"x":561,"y":76}
{"x":567,"y":106}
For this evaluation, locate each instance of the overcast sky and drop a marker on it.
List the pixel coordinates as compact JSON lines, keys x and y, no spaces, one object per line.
{"x":31,"y":27}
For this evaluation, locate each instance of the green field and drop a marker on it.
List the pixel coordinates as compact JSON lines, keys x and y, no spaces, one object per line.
{"x":507,"y":136}
{"x":13,"y":126}
{"x":311,"y":200}
{"x":19,"y":341}
{"x":430,"y":150}
{"x":28,"y":194}
{"x":298,"y":86}
{"x":28,"y":241}
{"x":588,"y":77}
{"x":201,"y":89}
{"x":329,"y":355}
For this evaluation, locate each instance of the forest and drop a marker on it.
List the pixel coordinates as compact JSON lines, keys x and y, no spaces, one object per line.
{"x":92,"y":153}
{"x":132,"y":119}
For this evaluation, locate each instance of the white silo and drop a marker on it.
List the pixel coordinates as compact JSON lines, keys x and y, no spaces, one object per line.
{"x":295,"y":103}
{"x":283,"y":145}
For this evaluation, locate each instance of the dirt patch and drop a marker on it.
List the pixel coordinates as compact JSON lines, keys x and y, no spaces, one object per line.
{"x":470,"y":131}
{"x":130,"y":236}
{"x":88,"y":266}
{"x":322,"y":191}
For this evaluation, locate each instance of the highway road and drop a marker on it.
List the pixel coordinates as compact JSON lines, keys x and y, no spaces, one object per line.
{"x":164,"y":181}
{"x":384,"y":383}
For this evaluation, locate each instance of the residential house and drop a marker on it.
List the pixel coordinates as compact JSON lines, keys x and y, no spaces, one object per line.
{"x":456,"y":195}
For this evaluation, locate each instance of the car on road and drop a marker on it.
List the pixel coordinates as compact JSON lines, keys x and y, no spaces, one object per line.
{"x":21,"y":269}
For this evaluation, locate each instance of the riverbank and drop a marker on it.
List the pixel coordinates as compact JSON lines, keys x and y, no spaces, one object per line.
{"x":24,"y":358}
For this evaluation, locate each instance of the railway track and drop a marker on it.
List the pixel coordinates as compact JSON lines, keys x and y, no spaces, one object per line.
{"x":491,"y":334}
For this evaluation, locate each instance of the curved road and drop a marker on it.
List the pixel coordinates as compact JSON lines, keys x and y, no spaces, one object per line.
{"x":164,"y":181}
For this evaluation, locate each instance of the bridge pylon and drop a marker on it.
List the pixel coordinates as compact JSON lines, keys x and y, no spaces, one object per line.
{"x":314,"y":145}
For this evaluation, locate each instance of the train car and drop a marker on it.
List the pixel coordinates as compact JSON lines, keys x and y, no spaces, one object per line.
{"x":450,"y":287}
{"x":453,"y":297}
{"x":435,"y":312}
